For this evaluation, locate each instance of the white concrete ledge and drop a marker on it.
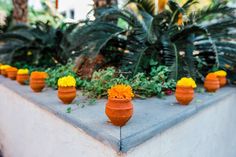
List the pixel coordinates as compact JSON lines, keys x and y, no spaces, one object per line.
{"x":36,"y":124}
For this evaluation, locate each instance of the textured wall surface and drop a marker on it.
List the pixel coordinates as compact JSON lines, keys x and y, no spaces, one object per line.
{"x":28,"y":131}
{"x":206,"y":128}
{"x":210,"y":133}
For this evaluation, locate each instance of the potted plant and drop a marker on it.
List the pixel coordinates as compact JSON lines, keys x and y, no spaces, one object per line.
{"x":3,"y":69}
{"x":37,"y":81}
{"x":221,"y":74}
{"x":66,"y":89}
{"x":11,"y":72}
{"x":211,"y":83}
{"x":22,"y":76}
{"x":184,"y":93}
{"x":119,"y":108}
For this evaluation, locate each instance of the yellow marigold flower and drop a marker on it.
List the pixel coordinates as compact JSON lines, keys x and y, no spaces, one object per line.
{"x":211,"y":76}
{"x":186,"y":82}
{"x":4,"y":67}
{"x":120,"y":92}
{"x":23,"y":71}
{"x":67,"y":81}
{"x":37,"y":75}
{"x":221,"y":73}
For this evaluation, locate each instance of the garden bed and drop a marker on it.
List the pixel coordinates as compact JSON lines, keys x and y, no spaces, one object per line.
{"x":152,"y":116}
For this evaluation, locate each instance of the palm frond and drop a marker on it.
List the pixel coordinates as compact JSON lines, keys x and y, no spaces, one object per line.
{"x":217,"y":8}
{"x":144,"y":5}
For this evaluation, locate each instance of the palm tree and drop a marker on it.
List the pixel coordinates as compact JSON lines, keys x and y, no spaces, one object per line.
{"x":20,"y":10}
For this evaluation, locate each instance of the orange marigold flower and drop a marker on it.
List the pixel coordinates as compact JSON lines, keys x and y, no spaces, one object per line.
{"x":161,"y":5}
{"x":13,"y":69}
{"x":211,"y":76}
{"x":120,"y":92}
{"x":180,"y":19}
{"x":37,"y":74}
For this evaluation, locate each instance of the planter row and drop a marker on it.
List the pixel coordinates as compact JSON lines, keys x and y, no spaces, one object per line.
{"x":119,"y":107}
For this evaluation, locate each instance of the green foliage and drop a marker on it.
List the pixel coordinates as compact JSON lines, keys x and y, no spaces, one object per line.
{"x":6,"y":6}
{"x":101,"y":81}
{"x":143,"y":5}
{"x":154,"y":84}
{"x":46,"y":15}
{"x":191,"y":49}
{"x":31,"y":68}
{"x":59,"y":71}
{"x":37,"y":45}
{"x":129,"y":40}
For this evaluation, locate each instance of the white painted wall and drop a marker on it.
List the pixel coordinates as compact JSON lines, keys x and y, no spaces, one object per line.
{"x":29,"y":131}
{"x":210,"y":133}
{"x":80,"y":7}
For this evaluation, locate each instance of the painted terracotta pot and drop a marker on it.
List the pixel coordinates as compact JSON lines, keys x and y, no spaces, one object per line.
{"x":12,"y":74}
{"x":22,"y":78}
{"x":184,"y":95}
{"x":66,"y":94}
{"x":119,"y":111}
{"x":4,"y":72}
{"x":222,"y":80}
{"x":37,"y":84}
{"x":211,"y":85}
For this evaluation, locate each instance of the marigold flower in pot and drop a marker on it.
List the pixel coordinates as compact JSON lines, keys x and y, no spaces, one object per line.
{"x":119,"y":108}
{"x":185,"y":90}
{"x":3,"y":69}
{"x":211,"y":83}
{"x":37,"y":81}
{"x":221,"y":74}
{"x":66,"y":89}
{"x":11,"y":72}
{"x":22,"y":76}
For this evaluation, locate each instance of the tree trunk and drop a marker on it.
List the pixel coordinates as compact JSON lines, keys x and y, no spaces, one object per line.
{"x":104,"y":3}
{"x":20,"y":10}
{"x":99,"y":6}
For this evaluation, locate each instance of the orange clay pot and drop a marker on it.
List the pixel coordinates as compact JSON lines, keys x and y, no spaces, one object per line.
{"x":119,"y":111}
{"x":37,"y":84}
{"x":22,"y":78}
{"x":211,"y":85}
{"x":4,"y":72}
{"x":222,"y":80}
{"x":66,"y":94}
{"x":184,"y":95}
{"x":12,"y":74}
